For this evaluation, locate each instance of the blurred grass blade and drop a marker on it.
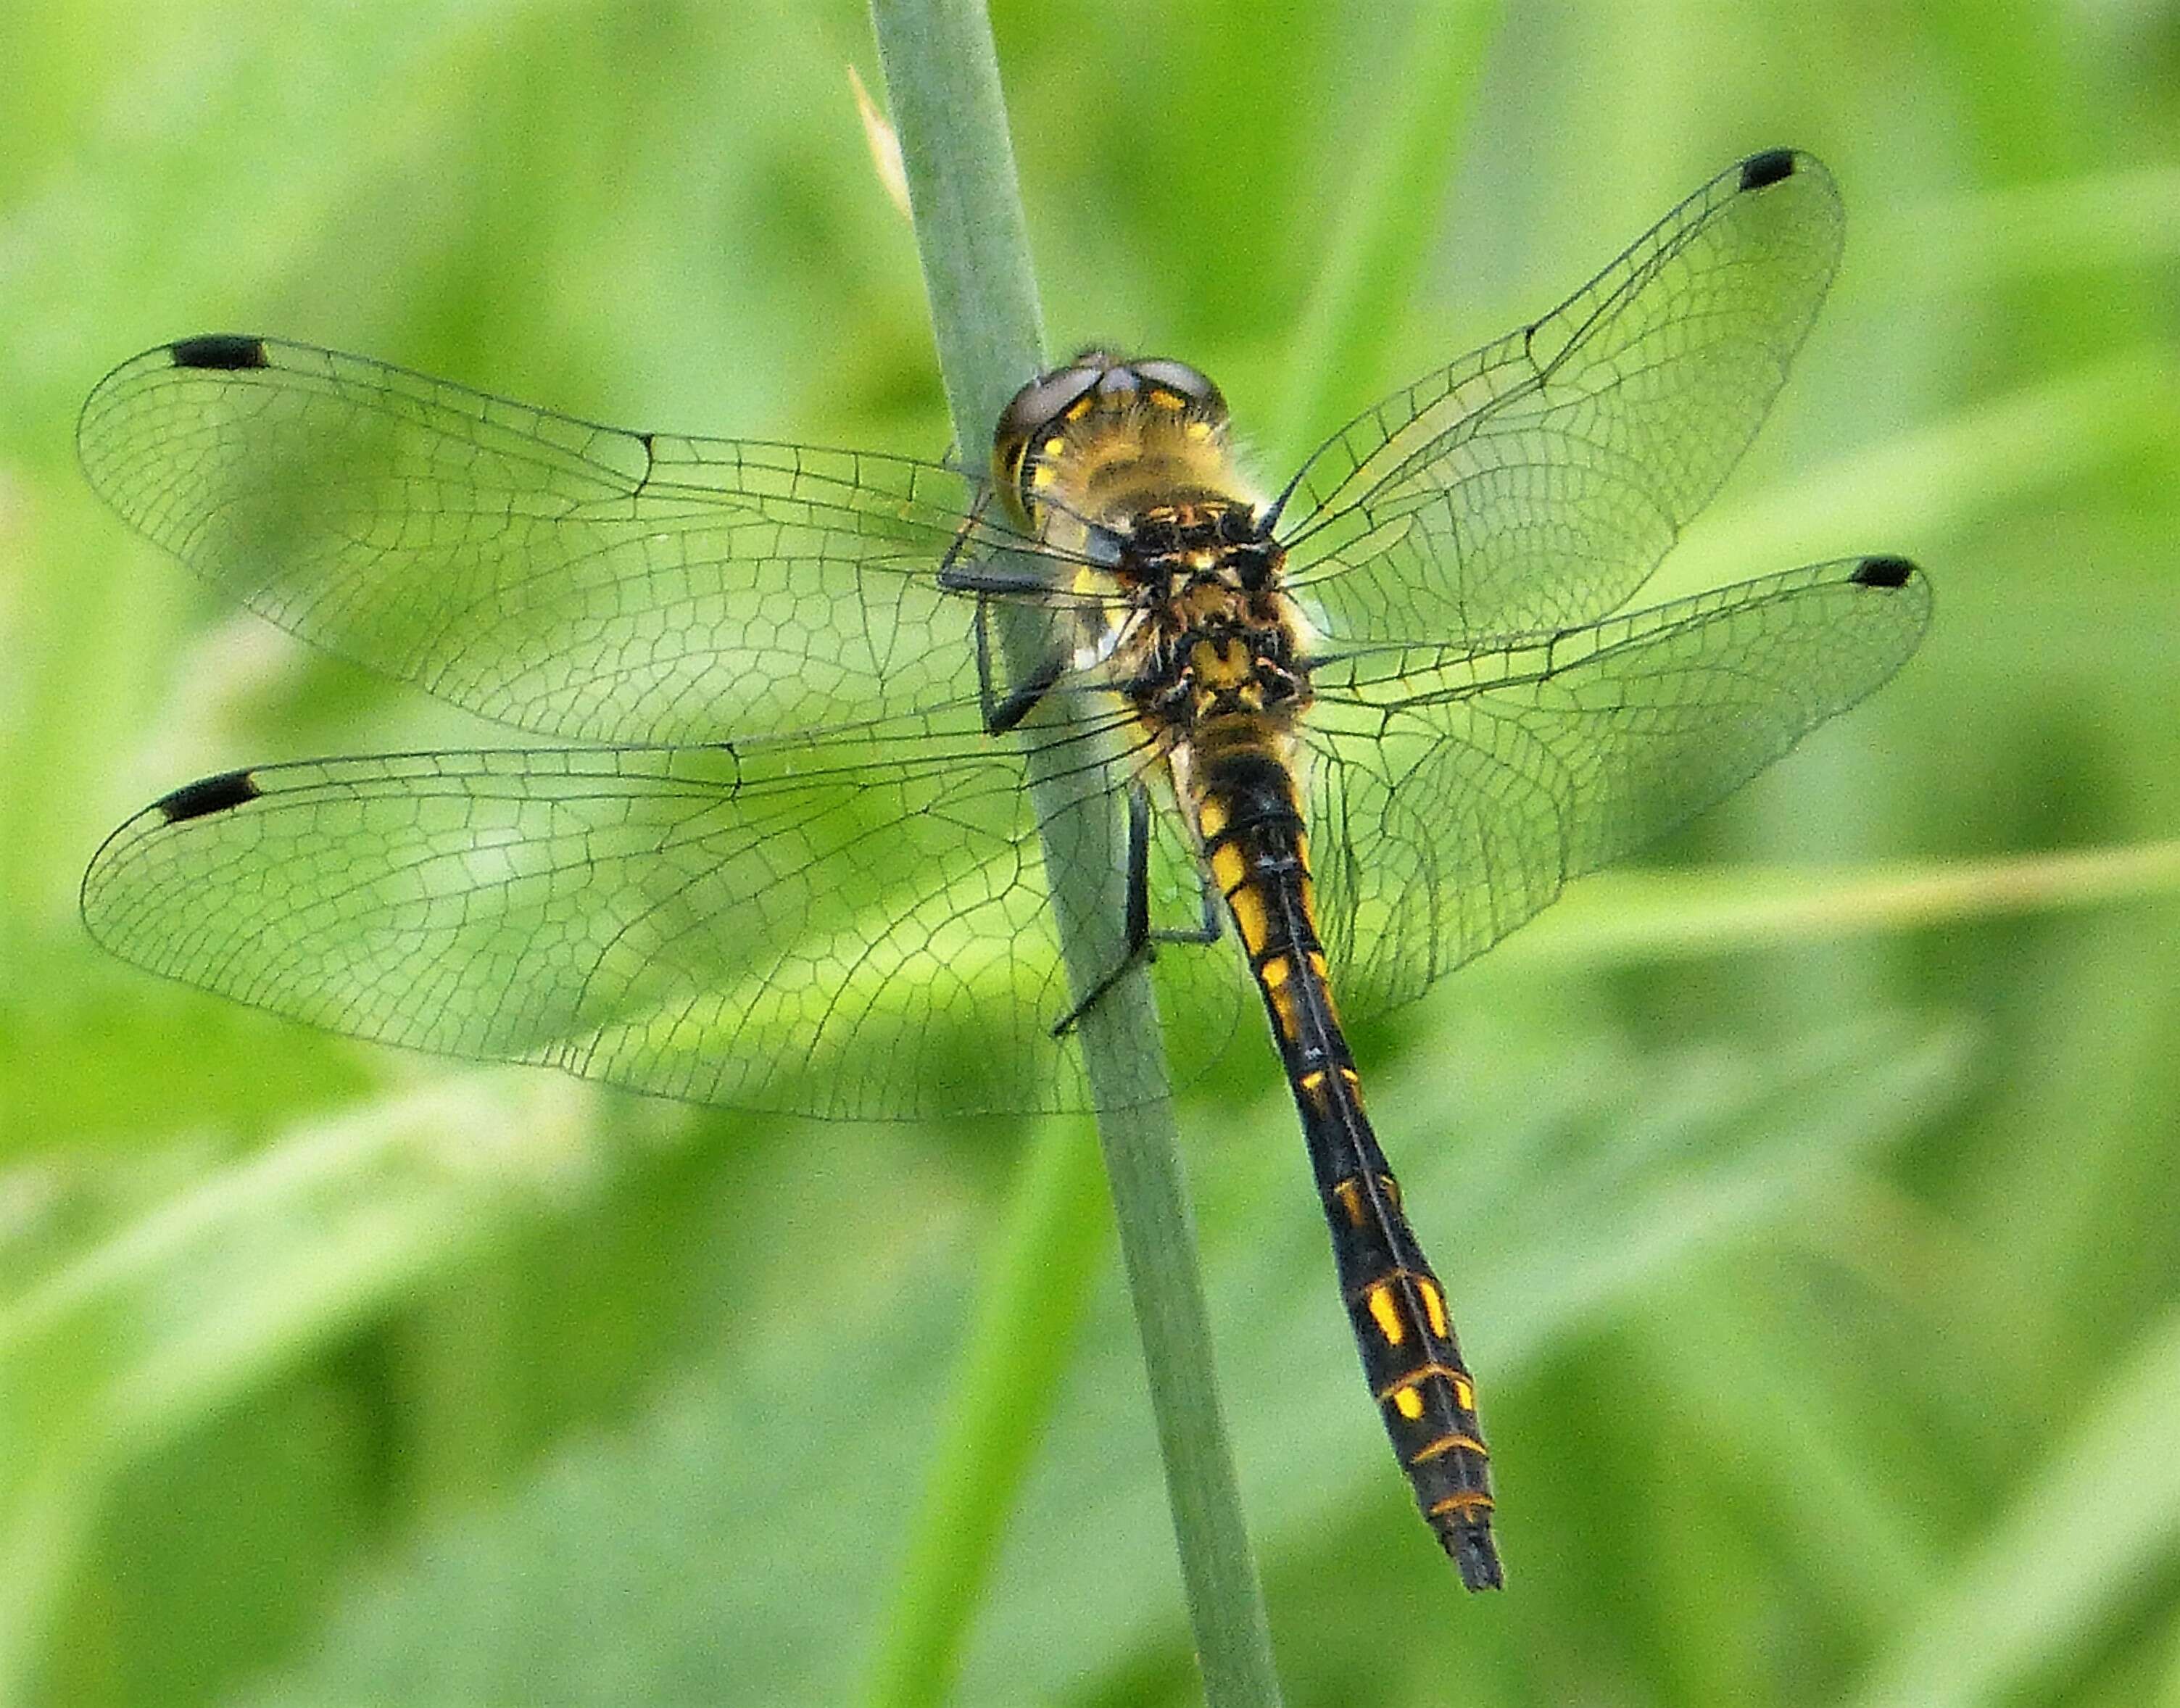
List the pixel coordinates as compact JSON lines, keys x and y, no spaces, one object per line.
{"x":1585,"y":1171}
{"x":1389,"y":212}
{"x":1009,"y":1380}
{"x":1620,"y":916}
{"x":1913,"y":491}
{"x":207,"y":1295}
{"x":2070,"y":1561}
{"x":2075,"y":224}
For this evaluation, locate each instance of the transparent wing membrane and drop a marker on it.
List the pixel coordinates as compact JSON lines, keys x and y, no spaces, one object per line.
{"x":1538,"y":481}
{"x":557,"y":575}
{"x":796,"y":872}
{"x":1455,"y":797}
{"x":800,"y":927}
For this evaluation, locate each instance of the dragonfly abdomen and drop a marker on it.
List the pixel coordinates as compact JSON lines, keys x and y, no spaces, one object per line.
{"x":1248,"y":814}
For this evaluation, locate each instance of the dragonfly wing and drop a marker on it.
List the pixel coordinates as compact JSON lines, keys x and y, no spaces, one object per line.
{"x":1458,"y":795}
{"x":849,"y":929}
{"x":1536,"y":483}
{"x":550,"y":573}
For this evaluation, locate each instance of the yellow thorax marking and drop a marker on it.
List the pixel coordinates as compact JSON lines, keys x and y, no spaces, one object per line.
{"x":1221,"y":664}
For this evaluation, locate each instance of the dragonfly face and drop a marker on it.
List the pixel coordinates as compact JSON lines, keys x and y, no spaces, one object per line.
{"x":788,"y":860}
{"x":1126,"y":463}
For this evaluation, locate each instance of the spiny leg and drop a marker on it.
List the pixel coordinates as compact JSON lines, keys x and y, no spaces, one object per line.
{"x":1139,"y":937}
{"x":1002,"y":711}
{"x":1136,"y":943}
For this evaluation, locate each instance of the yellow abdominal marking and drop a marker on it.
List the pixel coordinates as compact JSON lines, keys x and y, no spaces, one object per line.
{"x":1423,"y":1372}
{"x":1250,"y":918}
{"x":1275,"y":974}
{"x":1466,"y":1502}
{"x":1229,"y":870}
{"x":1447,"y":1444}
{"x":1387,"y":1315}
{"x":1408,"y":1404}
{"x":1464,"y":1392}
{"x":1433,"y":1304}
{"x":1348,"y":1192}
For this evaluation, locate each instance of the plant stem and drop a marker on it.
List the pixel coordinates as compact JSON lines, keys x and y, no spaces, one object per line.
{"x":942,"y":82}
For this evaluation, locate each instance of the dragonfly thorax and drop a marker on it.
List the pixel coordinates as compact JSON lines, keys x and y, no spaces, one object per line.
{"x":1217,"y":638}
{"x":1127,"y":460}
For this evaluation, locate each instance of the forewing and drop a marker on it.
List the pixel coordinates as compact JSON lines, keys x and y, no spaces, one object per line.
{"x":550,"y":573}
{"x":1537,"y":481}
{"x":840,"y":928}
{"x":1452,"y":795}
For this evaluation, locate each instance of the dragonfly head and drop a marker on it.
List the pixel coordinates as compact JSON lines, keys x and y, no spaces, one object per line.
{"x":1099,"y":411}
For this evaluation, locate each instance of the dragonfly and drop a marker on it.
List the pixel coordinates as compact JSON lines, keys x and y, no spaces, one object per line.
{"x":770,"y":845}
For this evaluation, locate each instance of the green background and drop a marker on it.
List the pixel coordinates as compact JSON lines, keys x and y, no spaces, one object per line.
{"x":1806,"y":1200}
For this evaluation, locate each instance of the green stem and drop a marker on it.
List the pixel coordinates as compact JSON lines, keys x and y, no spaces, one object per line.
{"x":943,"y":85}
{"x":1044,"y":1260}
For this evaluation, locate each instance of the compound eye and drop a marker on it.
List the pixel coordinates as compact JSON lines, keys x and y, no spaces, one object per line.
{"x":1118,"y":382}
{"x":1179,"y":376}
{"x":1043,"y":400}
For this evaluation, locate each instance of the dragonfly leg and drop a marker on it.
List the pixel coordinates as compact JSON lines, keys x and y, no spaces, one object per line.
{"x":1137,"y":948}
{"x":946,"y":564}
{"x":1214,"y":914}
{"x":989,"y":578}
{"x":1002,"y":711}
